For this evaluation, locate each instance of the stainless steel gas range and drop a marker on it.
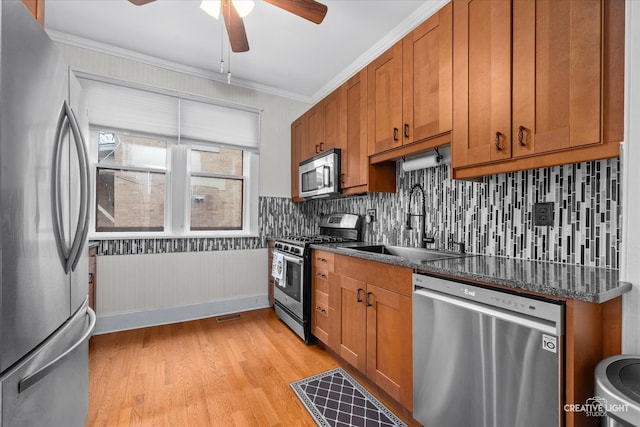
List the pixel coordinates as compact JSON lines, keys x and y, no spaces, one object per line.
{"x":292,"y":269}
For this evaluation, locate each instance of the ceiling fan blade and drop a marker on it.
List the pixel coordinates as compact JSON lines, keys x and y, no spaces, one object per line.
{"x":235,"y":27}
{"x":310,"y":10}
{"x":140,"y":2}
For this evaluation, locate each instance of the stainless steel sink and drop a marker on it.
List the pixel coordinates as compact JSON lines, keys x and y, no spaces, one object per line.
{"x":415,"y":254}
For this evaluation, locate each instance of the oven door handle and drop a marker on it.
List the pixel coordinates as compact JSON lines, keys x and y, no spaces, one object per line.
{"x":289,"y":258}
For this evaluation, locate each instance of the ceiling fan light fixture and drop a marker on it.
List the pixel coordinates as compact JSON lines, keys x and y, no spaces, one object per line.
{"x":244,"y":7}
{"x":212,"y":7}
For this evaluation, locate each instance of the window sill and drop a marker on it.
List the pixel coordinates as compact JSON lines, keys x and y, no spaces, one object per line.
{"x":199,"y":235}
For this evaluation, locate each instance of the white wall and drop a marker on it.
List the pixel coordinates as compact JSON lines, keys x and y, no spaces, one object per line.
{"x":630,"y":260}
{"x":277,"y":112}
{"x":142,"y":290}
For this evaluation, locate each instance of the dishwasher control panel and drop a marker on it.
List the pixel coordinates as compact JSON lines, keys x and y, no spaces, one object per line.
{"x":542,"y":309}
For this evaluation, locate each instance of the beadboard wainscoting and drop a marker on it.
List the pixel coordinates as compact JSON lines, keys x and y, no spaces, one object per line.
{"x":136,"y":291}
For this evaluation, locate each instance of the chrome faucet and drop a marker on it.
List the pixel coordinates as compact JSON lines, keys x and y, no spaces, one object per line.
{"x":423,"y":213}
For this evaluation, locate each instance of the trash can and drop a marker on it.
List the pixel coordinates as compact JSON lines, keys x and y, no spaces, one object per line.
{"x":618,"y":390}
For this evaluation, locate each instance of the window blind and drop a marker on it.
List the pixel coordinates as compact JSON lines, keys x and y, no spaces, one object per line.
{"x":131,"y":109}
{"x":215,"y":123}
{"x":126,"y":108}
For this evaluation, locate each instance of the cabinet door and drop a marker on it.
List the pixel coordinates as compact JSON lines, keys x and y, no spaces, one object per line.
{"x":352,"y":314}
{"x":355,"y":159}
{"x":427,"y":78}
{"x":298,"y":141}
{"x":482,"y":81}
{"x":315,"y":132}
{"x":557,"y":75}
{"x":389,"y":343}
{"x":385,"y":100}
{"x":333,"y":114}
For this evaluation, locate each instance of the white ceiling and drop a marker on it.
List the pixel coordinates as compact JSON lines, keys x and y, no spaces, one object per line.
{"x":288,"y":55}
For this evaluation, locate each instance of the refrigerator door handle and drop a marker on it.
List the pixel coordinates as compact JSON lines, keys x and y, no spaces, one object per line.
{"x":83,"y":218}
{"x":56,"y":202}
{"x":33,"y":378}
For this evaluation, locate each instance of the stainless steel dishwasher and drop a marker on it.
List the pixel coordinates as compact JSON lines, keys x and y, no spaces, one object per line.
{"x":484,"y":357}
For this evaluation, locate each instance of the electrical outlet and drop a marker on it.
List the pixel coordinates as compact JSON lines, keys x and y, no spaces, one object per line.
{"x":371,"y":213}
{"x":543,"y":214}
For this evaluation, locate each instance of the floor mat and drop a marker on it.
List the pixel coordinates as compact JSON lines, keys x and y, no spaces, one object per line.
{"x":335,"y":399}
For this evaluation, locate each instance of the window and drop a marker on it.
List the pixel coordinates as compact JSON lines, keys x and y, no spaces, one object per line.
{"x":130,"y":183}
{"x":216,"y":188}
{"x":192,"y":174}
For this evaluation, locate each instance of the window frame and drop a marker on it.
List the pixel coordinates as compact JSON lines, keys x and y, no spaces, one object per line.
{"x":177,"y":207}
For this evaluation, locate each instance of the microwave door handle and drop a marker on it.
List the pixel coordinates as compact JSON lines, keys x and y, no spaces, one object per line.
{"x":326,"y":176}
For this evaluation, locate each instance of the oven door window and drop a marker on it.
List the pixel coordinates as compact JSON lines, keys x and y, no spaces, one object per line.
{"x":292,"y":279}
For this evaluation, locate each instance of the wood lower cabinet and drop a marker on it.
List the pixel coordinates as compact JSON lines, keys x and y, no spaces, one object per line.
{"x":374,"y":323}
{"x":537,"y":83}
{"x":322,"y":309}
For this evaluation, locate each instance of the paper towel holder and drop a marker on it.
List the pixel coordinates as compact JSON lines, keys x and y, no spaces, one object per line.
{"x":431,"y":158}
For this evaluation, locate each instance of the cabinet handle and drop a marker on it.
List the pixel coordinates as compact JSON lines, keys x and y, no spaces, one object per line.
{"x":342,"y":178}
{"x":521,"y":135}
{"x":321,"y":275}
{"x":317,"y":148}
{"x":91,"y":278}
{"x":322,"y":146}
{"x":369,"y":299}
{"x":359,"y":297}
{"x":406,"y":130}
{"x":498,"y":142}
{"x":395,"y":134}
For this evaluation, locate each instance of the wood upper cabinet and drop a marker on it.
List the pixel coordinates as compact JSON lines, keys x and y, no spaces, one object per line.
{"x":358,"y":175}
{"x":36,"y":7}
{"x":535,"y":83}
{"x":374,"y":315}
{"x":298,"y":144}
{"x":410,"y":86}
{"x":325,"y":124}
{"x":427,"y":56}
{"x":385,"y":100}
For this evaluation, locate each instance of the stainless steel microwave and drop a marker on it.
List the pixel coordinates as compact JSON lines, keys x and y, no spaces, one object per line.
{"x":319,"y":176}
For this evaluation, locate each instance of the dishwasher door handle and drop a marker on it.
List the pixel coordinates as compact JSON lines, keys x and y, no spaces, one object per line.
{"x":547,"y":327}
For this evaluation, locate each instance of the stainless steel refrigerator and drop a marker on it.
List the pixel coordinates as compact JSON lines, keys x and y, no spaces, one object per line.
{"x":45,"y":322}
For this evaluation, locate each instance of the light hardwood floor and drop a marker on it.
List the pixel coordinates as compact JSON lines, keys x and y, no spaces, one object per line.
{"x":203,"y":373}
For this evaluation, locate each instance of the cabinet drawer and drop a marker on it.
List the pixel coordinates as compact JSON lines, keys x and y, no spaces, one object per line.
{"x":323,"y":260}
{"x":321,"y":280}
{"x":320,"y":316}
{"x":387,"y":276}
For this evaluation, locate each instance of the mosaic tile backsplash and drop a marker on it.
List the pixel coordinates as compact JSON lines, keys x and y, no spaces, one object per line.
{"x":492,"y":217}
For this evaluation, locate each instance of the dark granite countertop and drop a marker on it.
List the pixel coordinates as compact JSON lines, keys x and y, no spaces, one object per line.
{"x":577,"y":282}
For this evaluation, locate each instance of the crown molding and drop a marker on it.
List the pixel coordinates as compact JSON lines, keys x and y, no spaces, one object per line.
{"x":428,"y":9}
{"x":83,"y":43}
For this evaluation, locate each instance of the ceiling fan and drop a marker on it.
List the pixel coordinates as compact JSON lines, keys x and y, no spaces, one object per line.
{"x":310,"y":10}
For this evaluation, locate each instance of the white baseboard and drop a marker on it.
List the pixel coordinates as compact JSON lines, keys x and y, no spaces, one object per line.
{"x":162,"y":316}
